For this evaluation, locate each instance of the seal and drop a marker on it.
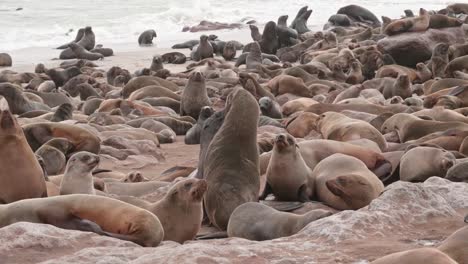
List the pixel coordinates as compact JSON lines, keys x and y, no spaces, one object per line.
{"x":102,"y":215}
{"x":345,"y":183}
{"x":5,"y":60}
{"x":359,"y":13}
{"x":194,"y":97}
{"x":174,"y":57}
{"x":193,"y":135}
{"x":255,"y":221}
{"x":146,"y":38}
{"x":457,"y":173}
{"x":436,"y":162}
{"x":229,"y":50}
{"x":77,"y":178}
{"x":420,"y":255}
{"x":82,"y":140}
{"x":443,"y":21}
{"x":203,"y":50}
{"x":439,"y":60}
{"x":269,"y":42}
{"x":401,"y":87}
{"x":152,"y":91}
{"x":454,"y":245}
{"x":53,"y":154}
{"x":457,"y":64}
{"x":231,"y":163}
{"x":180,"y":210}
{"x":458,"y":8}
{"x":21,"y":176}
{"x":17,"y":101}
{"x":288,"y":176}
{"x":82,"y":53}
{"x":157,"y":63}
{"x":410,"y":24}
{"x":270,"y":107}
{"x":61,"y":77}
{"x":254,"y":58}
{"x":87,"y":42}
{"x":336,"y":126}
{"x":255,"y":33}
{"x":79,"y":35}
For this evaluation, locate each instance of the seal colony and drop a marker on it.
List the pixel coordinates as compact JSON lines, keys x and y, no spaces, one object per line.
{"x":329,"y":117}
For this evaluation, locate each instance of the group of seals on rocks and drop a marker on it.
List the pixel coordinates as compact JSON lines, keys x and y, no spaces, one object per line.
{"x":326,"y":117}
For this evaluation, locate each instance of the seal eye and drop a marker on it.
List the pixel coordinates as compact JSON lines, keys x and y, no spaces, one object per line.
{"x":188,"y":185}
{"x":86,"y":158}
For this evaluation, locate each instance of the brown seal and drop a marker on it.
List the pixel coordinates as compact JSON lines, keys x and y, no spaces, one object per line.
{"x":302,"y":124}
{"x":90,"y":213}
{"x":194,"y":97}
{"x":146,"y":37}
{"x":83,"y":140}
{"x":21,"y":176}
{"x":87,"y":42}
{"x":410,"y":24}
{"x":53,"y":154}
{"x":193,"y":135}
{"x":153,"y":91}
{"x":143,"y":81}
{"x":231,"y":162}
{"x":5,"y":60}
{"x":314,"y":151}
{"x":420,"y":255}
{"x":458,"y":8}
{"x":203,"y":50}
{"x":457,"y":64}
{"x":180,"y":210}
{"x":82,"y":53}
{"x":255,"y":221}
{"x":336,"y":126}
{"x":401,"y":87}
{"x":288,"y":84}
{"x":156,"y":63}
{"x":457,"y":173}
{"x":455,"y":245}
{"x":288,"y":176}
{"x":270,"y":107}
{"x":77,"y":178}
{"x":439,"y":60}
{"x":436,"y":162}
{"x":443,"y":21}
{"x":174,"y":57}
{"x":345,"y":183}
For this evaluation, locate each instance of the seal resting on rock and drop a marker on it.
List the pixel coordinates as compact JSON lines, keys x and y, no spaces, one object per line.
{"x":255,"y":221}
{"x":91,"y":213}
{"x":345,"y":183}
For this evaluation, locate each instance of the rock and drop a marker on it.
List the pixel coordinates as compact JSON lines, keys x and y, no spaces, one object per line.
{"x":422,"y":213}
{"x":410,"y":48}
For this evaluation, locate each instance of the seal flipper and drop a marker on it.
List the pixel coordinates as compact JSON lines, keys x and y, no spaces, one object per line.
{"x":283,"y":206}
{"x":458,"y":90}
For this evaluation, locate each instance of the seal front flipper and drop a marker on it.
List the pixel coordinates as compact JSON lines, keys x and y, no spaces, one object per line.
{"x":124,"y":237}
{"x":283,"y":206}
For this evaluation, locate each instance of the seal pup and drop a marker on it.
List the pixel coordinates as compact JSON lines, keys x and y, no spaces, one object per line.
{"x":156,"y":63}
{"x":146,"y":37}
{"x":174,"y":57}
{"x":78,"y":176}
{"x":53,"y":154}
{"x":21,"y":176}
{"x":288,"y":176}
{"x":203,"y":50}
{"x":194,"y":96}
{"x":255,"y":221}
{"x":193,"y":134}
{"x":270,"y":107}
{"x":92,"y":213}
{"x":439,"y":60}
{"x":345,"y":183}
{"x":231,"y":166}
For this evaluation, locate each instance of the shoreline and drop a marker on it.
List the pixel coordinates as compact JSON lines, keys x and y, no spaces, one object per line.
{"x":130,"y":56}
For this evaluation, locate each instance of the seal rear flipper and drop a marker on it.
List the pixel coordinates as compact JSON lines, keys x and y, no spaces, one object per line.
{"x":72,"y":223}
{"x":215,"y":235}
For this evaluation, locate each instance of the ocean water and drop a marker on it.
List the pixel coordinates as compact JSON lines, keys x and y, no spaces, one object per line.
{"x":46,"y":23}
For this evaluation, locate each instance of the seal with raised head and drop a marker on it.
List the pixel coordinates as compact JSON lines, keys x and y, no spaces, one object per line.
{"x":82,"y":53}
{"x":92,"y":213}
{"x":79,"y":35}
{"x":439,"y":60}
{"x":87,"y":42}
{"x":203,"y":50}
{"x":157,"y":63}
{"x":78,"y":178}
{"x":231,"y":165}
{"x":194,"y":97}
{"x":345,"y":183}
{"x":269,"y":42}
{"x":288,"y":176}
{"x":410,"y":24}
{"x":193,"y":135}
{"x":146,"y":38}
{"x":17,"y":101}
{"x":256,"y":221}
{"x":21,"y":176}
